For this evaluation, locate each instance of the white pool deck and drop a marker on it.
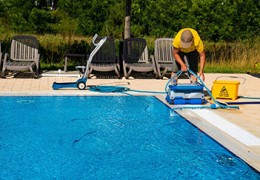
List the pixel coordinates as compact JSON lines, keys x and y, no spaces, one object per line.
{"x":237,"y":130}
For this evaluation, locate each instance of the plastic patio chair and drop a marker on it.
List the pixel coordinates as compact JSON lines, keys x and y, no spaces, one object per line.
{"x":135,"y":57}
{"x":163,"y":56}
{"x":0,"y":55}
{"x":106,"y":60}
{"x":23,"y":56}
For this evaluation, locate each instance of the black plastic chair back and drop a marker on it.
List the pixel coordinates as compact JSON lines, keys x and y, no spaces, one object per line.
{"x":133,"y":49}
{"x":107,"y":53}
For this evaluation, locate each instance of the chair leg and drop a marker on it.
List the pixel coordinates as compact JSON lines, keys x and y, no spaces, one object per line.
{"x":117,"y":70}
{"x":65,"y":63}
{"x":38,"y":70}
{"x":156,"y":73}
{"x":124,"y":70}
{"x":129,"y":71}
{"x":3,"y":73}
{"x":33,"y":72}
{"x":164,"y":72}
{"x":159,"y":72}
{"x":36,"y":75}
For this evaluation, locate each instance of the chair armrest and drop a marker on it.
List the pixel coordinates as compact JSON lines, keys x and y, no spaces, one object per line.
{"x":37,"y":61}
{"x":153,"y":60}
{"x":157,"y":66}
{"x":6,"y":57}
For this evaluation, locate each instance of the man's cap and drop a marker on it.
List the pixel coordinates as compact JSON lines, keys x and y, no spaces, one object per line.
{"x":186,"y":39}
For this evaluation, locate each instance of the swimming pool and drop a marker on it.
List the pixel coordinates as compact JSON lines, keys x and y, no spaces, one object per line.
{"x":107,"y":137}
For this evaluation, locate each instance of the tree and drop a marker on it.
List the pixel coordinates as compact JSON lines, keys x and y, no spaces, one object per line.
{"x":15,"y":14}
{"x":114,"y":25}
{"x":214,"y":19}
{"x":40,"y":20}
{"x":127,"y":31}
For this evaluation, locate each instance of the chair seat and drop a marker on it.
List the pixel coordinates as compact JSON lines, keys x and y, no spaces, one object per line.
{"x":167,"y":65}
{"x":21,"y":65}
{"x":103,"y":66}
{"x":141,"y":67}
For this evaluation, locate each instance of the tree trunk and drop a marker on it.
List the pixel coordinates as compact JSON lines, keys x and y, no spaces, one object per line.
{"x":127,"y":31}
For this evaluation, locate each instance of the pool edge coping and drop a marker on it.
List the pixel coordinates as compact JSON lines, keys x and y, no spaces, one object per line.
{"x":243,"y":151}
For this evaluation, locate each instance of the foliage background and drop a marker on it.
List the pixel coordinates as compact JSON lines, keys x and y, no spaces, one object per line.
{"x":225,"y":25}
{"x":214,"y":19}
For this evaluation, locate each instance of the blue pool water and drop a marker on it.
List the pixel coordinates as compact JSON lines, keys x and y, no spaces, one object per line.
{"x":107,"y":138}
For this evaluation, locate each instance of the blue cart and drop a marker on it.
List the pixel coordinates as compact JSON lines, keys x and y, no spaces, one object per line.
{"x":81,"y":83}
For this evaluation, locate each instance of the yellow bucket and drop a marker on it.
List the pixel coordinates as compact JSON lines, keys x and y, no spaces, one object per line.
{"x":226,"y":89}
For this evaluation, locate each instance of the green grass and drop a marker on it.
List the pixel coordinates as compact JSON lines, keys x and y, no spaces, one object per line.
{"x":234,"y":67}
{"x":227,"y":69}
{"x":209,"y":68}
{"x":233,"y":57}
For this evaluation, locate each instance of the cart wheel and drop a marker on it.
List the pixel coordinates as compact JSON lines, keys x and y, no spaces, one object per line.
{"x":81,"y":85}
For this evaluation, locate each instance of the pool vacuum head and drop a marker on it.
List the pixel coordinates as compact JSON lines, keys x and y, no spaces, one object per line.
{"x":187,"y":93}
{"x":80,"y":84}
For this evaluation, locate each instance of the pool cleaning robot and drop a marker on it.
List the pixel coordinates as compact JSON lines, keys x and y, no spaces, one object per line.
{"x":81,"y":83}
{"x":184,"y":93}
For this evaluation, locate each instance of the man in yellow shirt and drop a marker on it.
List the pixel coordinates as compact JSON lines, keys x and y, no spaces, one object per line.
{"x":187,"y":43}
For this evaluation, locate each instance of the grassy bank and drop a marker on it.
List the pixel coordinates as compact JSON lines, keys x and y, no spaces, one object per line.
{"x":235,"y":57}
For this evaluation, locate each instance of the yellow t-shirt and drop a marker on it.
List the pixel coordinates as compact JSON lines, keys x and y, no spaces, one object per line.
{"x":196,"y":45}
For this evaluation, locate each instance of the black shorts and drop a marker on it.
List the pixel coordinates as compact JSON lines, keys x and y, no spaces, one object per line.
{"x":192,"y":60}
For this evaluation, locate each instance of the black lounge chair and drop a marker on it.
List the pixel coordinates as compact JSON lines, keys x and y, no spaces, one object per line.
{"x":105,"y":60}
{"x":135,"y":57}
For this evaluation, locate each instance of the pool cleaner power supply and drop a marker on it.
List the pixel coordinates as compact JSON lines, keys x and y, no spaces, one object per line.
{"x":186,"y":93}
